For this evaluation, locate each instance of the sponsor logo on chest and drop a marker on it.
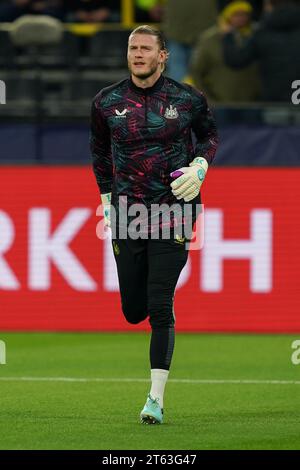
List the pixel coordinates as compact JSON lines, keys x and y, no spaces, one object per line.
{"x":121,"y":114}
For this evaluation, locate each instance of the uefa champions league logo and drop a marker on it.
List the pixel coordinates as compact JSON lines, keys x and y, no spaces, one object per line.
{"x":2,"y":353}
{"x":2,"y":92}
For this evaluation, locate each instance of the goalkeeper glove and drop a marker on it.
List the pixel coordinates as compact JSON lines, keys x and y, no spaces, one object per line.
{"x":106,"y":203}
{"x":188,"y":185}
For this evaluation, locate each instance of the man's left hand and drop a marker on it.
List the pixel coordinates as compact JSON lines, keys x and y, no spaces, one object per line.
{"x":187,"y":186}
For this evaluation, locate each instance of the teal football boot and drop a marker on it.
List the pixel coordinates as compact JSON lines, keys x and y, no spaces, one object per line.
{"x":152,"y":413}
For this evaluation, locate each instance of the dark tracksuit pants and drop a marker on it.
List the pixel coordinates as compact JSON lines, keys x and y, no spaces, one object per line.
{"x":148,"y":271}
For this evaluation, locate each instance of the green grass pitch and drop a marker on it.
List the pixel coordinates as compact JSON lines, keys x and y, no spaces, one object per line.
{"x":200,"y":413}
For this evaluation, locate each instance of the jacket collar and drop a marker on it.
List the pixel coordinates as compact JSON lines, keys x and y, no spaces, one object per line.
{"x":150,"y":90}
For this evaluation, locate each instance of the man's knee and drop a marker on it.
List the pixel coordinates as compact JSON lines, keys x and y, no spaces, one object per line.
{"x":134,"y":320}
{"x":134,"y":315}
{"x":162,"y":317}
{"x":161,"y":312}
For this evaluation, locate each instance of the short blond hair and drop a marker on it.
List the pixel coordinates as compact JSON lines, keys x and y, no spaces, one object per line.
{"x":146,"y":29}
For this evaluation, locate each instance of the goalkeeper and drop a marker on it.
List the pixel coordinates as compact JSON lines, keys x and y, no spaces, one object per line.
{"x":145,"y":131}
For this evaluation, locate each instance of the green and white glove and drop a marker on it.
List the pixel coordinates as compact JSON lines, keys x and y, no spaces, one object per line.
{"x":106,"y":203}
{"x":188,"y":185}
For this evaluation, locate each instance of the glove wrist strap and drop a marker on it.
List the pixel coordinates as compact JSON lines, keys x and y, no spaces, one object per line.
{"x":106,"y":198}
{"x":201,"y":162}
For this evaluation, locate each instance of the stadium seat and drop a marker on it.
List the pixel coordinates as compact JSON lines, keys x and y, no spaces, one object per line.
{"x":7,"y":50}
{"x":62,"y":55}
{"x":76,"y":94}
{"x":84,"y":88}
{"x":41,"y":41}
{"x":107,"y":49}
{"x":23,"y":92}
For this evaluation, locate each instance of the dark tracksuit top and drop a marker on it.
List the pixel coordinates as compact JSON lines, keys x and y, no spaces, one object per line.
{"x":139,"y":136}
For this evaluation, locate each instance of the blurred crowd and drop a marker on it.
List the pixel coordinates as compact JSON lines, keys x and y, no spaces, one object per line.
{"x":66,"y":10}
{"x":235,"y":51}
{"x":87,"y":11}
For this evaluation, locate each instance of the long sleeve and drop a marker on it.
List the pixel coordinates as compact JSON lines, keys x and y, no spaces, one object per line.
{"x":100,"y":145}
{"x":204,"y":128}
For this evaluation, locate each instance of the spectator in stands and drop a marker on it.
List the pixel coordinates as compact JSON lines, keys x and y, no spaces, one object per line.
{"x":257,"y":6}
{"x":185,"y":19}
{"x":147,"y":11}
{"x":219,"y":82}
{"x":13,"y":9}
{"x":275,"y":44}
{"x":92,"y":11}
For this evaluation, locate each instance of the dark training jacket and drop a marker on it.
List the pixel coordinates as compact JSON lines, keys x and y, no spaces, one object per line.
{"x":139,"y":136}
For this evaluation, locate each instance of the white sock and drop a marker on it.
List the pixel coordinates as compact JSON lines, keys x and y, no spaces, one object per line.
{"x":159,"y":379}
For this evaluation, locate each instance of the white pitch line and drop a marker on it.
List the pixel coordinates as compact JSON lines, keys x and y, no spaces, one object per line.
{"x":135,"y":380}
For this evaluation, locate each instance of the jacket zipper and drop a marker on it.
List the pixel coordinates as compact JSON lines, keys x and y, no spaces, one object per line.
{"x":146,"y":108}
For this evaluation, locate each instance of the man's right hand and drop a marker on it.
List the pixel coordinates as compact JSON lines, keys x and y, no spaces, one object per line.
{"x":106,"y":203}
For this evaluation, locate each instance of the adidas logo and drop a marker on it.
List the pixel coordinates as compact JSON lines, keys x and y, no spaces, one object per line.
{"x":171,"y":113}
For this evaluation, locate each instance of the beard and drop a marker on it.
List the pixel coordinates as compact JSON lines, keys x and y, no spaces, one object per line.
{"x":144,"y":75}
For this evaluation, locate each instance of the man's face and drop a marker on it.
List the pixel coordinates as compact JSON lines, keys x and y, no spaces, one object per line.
{"x":240,"y":19}
{"x":144,"y":55}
